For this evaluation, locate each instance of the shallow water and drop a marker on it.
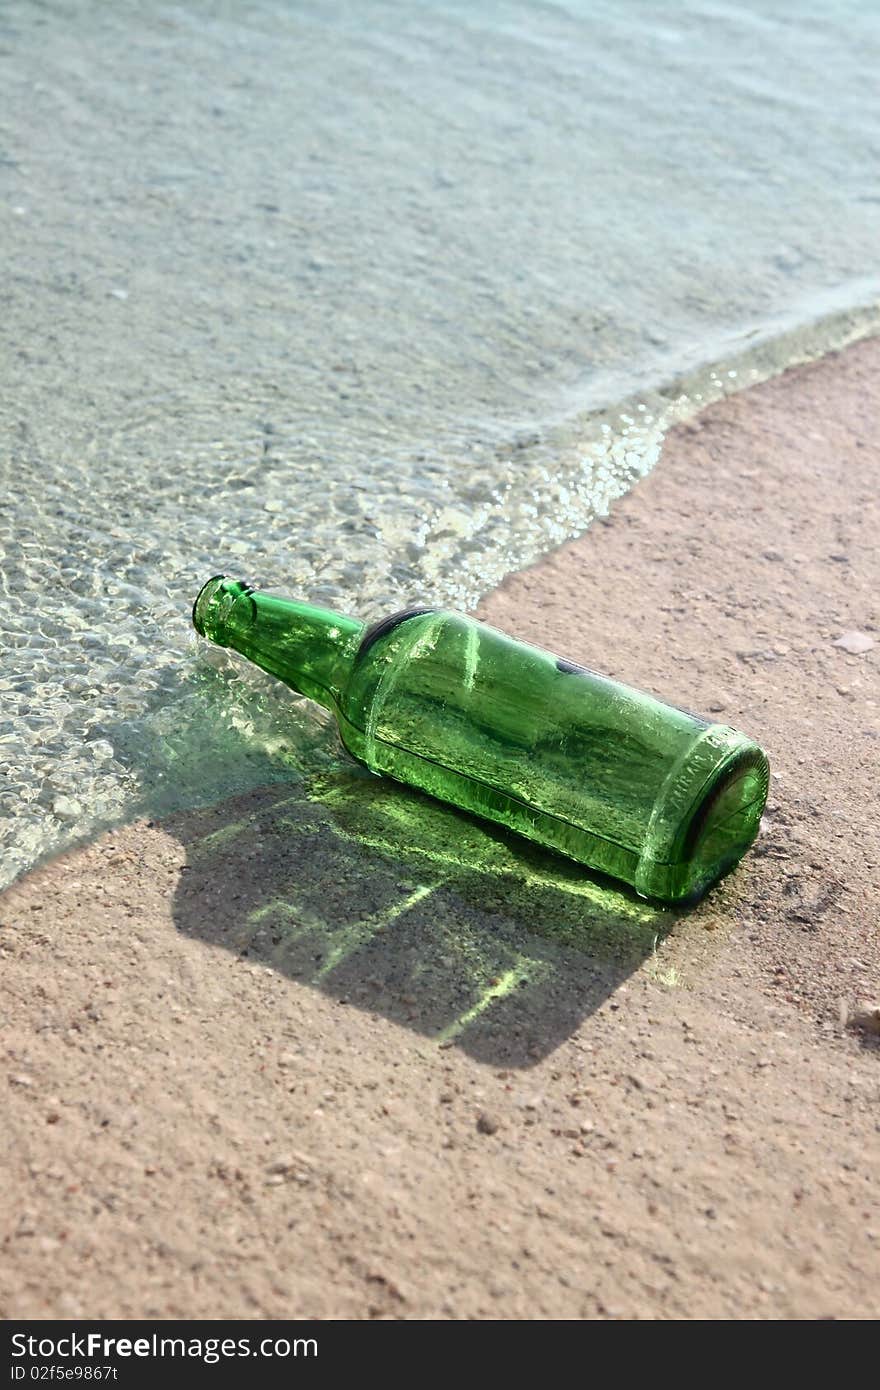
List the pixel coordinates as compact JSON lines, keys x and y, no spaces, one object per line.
{"x":371,"y":302}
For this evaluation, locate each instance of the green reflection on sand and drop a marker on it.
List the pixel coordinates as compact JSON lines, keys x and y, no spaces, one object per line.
{"x":438,"y":857}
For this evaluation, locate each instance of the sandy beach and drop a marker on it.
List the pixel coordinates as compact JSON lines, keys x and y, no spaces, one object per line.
{"x":303,"y":1054}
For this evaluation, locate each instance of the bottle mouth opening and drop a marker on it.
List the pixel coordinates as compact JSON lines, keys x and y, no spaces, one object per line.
{"x":214,"y":604}
{"x":204,"y":599}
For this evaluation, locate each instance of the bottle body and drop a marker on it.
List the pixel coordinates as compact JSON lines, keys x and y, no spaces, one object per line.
{"x":594,"y":769}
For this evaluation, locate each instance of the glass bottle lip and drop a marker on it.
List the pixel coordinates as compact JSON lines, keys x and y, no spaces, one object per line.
{"x":214,"y":602}
{"x":197,"y":619}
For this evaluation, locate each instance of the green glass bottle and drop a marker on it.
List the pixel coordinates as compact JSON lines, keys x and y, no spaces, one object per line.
{"x":602,"y":773}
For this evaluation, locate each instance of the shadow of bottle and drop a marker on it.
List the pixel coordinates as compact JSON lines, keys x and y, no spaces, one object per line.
{"x":372,"y":892}
{"x":393,"y":903}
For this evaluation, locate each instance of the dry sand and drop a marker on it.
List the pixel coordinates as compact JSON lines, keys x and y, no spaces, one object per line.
{"x":303,"y":1055}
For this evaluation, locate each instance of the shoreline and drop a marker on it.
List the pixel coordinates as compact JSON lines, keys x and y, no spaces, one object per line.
{"x":309,"y":1053}
{"x":586,"y":446}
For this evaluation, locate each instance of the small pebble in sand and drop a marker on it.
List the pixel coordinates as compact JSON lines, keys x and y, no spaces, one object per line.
{"x":487,"y":1123}
{"x":286,"y":1163}
{"x":856,"y":643}
{"x":865,"y":1018}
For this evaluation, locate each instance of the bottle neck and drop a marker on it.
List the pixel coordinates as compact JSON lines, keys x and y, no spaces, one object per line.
{"x":310,"y":649}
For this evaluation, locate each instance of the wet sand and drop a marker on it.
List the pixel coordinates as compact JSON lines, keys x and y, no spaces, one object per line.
{"x":333,"y":1051}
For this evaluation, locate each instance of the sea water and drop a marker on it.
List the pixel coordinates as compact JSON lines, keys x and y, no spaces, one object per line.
{"x":371,"y":301}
